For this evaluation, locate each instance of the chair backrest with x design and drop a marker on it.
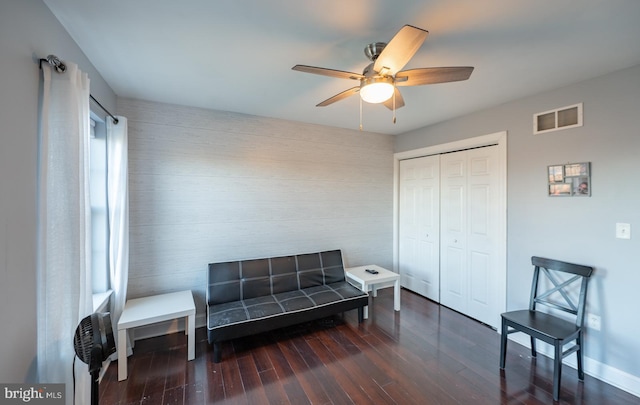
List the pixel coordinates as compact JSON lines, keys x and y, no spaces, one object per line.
{"x":562,"y":288}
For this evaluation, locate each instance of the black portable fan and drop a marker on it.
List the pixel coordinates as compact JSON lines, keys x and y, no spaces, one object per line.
{"x":94,"y":343}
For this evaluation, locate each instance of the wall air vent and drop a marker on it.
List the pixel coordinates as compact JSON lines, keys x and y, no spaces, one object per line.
{"x":560,"y":118}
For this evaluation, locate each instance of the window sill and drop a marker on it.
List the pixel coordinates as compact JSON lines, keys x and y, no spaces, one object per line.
{"x":100,"y":300}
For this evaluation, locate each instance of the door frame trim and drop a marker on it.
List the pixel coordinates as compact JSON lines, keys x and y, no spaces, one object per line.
{"x":500,"y":140}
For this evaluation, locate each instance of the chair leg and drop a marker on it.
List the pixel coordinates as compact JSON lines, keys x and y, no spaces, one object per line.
{"x":360,"y":314}
{"x":579,"y":357}
{"x":534,"y":352}
{"x":503,"y":344}
{"x":557,"y":370}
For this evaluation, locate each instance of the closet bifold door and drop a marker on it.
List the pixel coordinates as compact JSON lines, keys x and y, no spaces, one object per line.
{"x":469,"y":224}
{"x":419,"y":226}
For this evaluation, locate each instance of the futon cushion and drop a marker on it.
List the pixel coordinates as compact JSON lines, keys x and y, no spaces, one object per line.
{"x":285,"y":302}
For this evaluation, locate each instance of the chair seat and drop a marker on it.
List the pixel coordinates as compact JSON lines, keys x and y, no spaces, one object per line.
{"x":549,"y":326}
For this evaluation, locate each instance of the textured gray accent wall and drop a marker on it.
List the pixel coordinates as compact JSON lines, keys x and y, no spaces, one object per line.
{"x":580,"y":230}
{"x":208,"y":186}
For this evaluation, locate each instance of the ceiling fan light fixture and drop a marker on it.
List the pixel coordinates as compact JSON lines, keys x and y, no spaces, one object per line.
{"x":376,"y":89}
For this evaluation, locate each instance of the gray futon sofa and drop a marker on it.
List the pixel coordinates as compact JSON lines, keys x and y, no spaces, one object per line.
{"x":246,"y":297}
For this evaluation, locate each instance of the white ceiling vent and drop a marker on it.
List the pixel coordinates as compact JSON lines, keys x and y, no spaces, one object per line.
{"x":560,"y":118}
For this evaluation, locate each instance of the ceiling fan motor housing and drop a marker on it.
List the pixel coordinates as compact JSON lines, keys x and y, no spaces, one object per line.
{"x":373,"y":50}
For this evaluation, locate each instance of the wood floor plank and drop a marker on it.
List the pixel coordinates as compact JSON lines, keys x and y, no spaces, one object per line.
{"x":214,"y":385}
{"x":274,"y":388}
{"x":251,"y":382}
{"x":174,"y":396}
{"x":318,"y":369}
{"x":176,"y":367}
{"x":283,"y":372}
{"x":261,"y":357}
{"x":136,"y":383}
{"x":315,"y":392}
{"x":362,"y":372}
{"x":232,"y":381}
{"x":425,"y":354}
{"x":155,"y":377}
{"x":194,"y":393}
{"x":349,"y":384}
{"x":404,"y":367}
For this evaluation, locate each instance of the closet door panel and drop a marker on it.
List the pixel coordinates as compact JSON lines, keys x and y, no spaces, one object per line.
{"x":469,"y":222}
{"x":479,"y":278}
{"x":453,"y":225}
{"x":483,"y":244}
{"x":419,"y":234}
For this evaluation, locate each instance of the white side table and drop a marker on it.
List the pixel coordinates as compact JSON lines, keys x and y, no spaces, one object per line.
{"x":372,"y":282}
{"x":157,"y":308}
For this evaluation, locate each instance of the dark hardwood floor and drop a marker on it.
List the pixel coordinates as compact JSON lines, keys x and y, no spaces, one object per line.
{"x":425,"y":354}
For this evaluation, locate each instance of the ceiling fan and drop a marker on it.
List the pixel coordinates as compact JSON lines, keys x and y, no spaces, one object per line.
{"x":380,"y":80}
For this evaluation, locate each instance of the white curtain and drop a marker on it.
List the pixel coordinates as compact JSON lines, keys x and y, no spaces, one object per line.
{"x":118,"y":200}
{"x":64,"y":237}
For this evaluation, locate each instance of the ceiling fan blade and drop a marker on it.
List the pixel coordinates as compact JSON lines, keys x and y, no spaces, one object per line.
{"x":417,"y":77}
{"x":400,"y":50}
{"x":339,"y":96}
{"x":399,"y":101}
{"x":340,"y":74}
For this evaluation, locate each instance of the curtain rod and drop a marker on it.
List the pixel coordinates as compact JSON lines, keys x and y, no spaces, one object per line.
{"x":60,"y":67}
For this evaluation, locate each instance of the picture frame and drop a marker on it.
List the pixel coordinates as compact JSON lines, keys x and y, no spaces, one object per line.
{"x":576,"y":169}
{"x":560,"y":189}
{"x":581,"y":186}
{"x":569,"y":180}
{"x":556,"y":174}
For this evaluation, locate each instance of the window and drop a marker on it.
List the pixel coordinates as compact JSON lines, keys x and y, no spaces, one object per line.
{"x":99,"y":207}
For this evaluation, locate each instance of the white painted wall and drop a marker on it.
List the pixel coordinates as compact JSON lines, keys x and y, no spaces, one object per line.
{"x":580,"y":230}
{"x":209,"y":186}
{"x":28,"y":31}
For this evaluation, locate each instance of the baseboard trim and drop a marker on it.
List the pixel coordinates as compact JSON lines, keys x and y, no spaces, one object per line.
{"x":618,"y":378}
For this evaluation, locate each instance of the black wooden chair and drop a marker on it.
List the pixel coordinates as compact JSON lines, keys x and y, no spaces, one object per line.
{"x":566,"y":280}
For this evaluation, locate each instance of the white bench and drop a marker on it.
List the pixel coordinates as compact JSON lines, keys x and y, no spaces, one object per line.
{"x":156,"y":308}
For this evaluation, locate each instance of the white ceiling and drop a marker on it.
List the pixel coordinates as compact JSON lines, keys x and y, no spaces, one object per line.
{"x":237,"y":55}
